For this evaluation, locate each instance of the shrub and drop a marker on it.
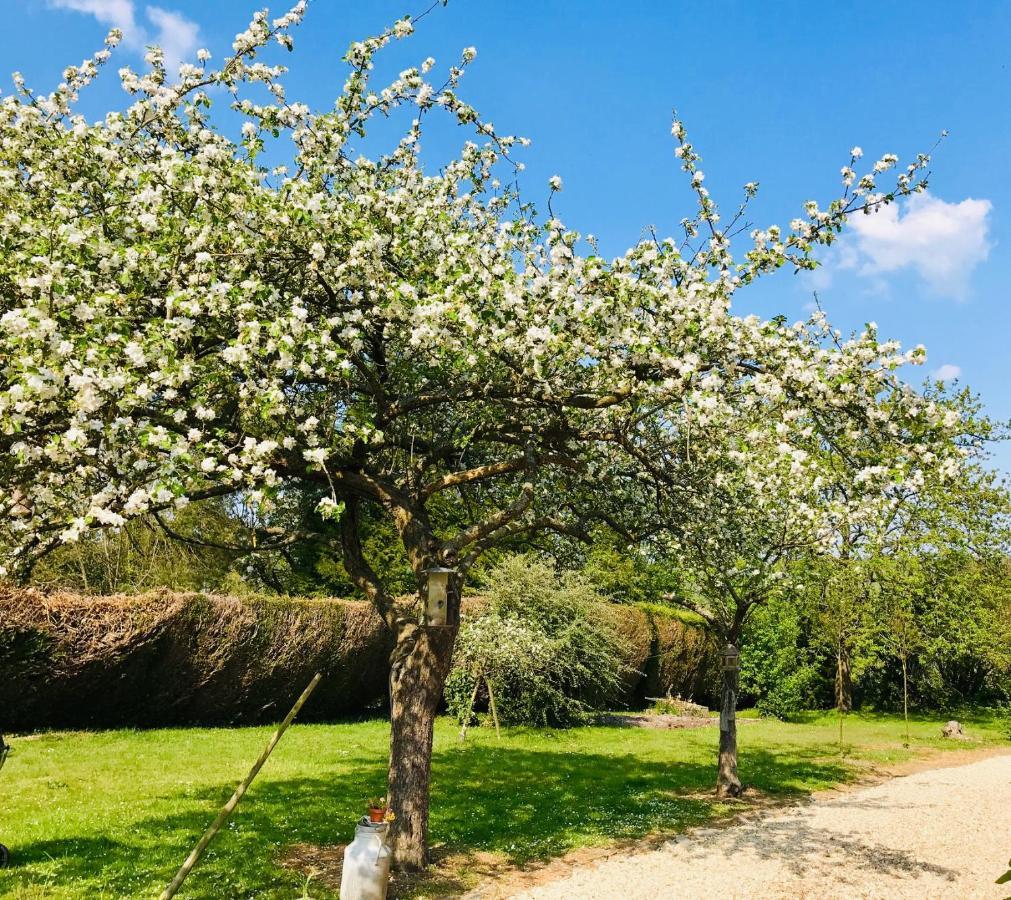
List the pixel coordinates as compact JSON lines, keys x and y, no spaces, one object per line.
{"x":545,"y":644}
{"x":780,"y":674}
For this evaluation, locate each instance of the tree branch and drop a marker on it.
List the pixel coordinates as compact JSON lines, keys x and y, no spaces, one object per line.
{"x":478,"y":473}
{"x":492,"y":524}
{"x":543,"y":523}
{"x":284,"y":539}
{"x":358,"y":568}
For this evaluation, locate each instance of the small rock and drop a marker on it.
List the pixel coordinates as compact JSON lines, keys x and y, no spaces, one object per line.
{"x":954,"y":730}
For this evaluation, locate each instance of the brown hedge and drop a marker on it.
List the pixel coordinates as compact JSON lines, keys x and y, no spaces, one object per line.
{"x":163,"y":658}
{"x":665,"y":656}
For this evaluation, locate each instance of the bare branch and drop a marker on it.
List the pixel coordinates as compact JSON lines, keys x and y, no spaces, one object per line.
{"x":543,"y":523}
{"x":478,"y":473}
{"x":492,"y":524}
{"x":282,"y":539}
{"x":358,"y":568}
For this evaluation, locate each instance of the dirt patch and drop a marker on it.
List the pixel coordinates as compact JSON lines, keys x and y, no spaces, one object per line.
{"x":661,"y":720}
{"x":450,"y":874}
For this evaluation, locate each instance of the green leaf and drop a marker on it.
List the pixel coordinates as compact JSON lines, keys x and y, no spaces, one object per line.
{"x":1006,"y":877}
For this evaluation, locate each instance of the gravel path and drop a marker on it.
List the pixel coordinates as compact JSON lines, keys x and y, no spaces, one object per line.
{"x":937,"y":833}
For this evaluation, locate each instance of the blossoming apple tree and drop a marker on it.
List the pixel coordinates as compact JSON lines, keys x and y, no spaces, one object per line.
{"x":180,"y":321}
{"x":829,"y":443}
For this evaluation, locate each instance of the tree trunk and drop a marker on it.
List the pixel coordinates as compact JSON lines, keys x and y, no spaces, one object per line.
{"x":843,"y":679}
{"x":905,"y":697}
{"x":418,"y":670}
{"x":727,"y":782}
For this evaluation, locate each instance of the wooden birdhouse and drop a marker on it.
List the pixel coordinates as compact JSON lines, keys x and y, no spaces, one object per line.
{"x":442,"y":598}
{"x":731,"y":659}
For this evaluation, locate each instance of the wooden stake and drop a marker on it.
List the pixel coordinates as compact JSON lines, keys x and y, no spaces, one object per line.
{"x":226,"y":810}
{"x":905,"y":698}
{"x":470,"y":709}
{"x":491,"y":703}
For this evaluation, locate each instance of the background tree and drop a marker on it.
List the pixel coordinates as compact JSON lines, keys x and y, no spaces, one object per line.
{"x":936,"y":555}
{"x":936,"y":523}
{"x":141,"y":556}
{"x":781,"y":672}
{"x":841,"y":609}
{"x":842,"y":616}
{"x":965,"y":656}
{"x":746,"y":493}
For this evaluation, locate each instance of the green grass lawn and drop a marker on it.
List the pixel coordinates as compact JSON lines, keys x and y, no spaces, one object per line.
{"x":113,"y":814}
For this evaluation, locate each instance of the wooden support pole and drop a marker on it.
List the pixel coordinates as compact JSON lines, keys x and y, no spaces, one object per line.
{"x":226,"y":810}
{"x":491,"y":703}
{"x":470,"y":708}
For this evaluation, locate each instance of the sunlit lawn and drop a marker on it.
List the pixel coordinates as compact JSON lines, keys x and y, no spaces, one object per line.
{"x":112,"y":814}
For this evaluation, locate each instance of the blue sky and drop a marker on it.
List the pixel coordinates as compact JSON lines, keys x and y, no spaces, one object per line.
{"x":774,"y":93}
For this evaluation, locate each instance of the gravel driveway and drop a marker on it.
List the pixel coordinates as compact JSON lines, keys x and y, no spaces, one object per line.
{"x":938,"y":833}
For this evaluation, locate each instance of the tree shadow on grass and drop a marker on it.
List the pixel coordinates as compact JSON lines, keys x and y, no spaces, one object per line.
{"x":525,"y":806}
{"x":533,"y":805}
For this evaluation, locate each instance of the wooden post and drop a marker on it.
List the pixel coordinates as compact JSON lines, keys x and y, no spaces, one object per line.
{"x":494,"y":713}
{"x":226,"y":810}
{"x":905,"y":697}
{"x":470,"y":708}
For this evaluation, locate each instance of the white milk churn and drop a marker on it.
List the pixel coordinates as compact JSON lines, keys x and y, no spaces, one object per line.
{"x":366,"y":872}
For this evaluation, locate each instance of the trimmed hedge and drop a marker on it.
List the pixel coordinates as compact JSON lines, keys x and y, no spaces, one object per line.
{"x":666,"y":656}
{"x":163,"y":658}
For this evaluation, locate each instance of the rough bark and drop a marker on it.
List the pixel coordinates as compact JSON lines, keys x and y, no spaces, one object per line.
{"x":418,"y":670}
{"x":727,"y":782}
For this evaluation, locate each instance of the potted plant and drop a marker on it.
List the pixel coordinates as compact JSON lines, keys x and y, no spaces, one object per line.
{"x":378,"y":810}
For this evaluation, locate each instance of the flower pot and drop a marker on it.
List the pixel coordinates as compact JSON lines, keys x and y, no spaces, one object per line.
{"x":377,"y":815}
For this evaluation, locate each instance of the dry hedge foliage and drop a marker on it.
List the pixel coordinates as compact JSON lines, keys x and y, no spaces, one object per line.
{"x":666,"y":656}
{"x":164,"y":658}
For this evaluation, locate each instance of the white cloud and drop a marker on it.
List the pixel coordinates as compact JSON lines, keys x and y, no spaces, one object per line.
{"x":173,"y":32}
{"x":114,"y":13}
{"x":177,"y":35}
{"x":941,"y":242}
{"x":947,"y":372}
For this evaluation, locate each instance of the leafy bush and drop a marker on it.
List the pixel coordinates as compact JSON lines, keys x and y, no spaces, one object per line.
{"x":780,"y":673}
{"x":543,"y":642}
